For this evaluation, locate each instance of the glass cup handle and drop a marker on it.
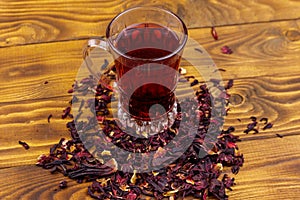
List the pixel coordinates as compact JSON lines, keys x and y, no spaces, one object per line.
{"x":93,"y":43}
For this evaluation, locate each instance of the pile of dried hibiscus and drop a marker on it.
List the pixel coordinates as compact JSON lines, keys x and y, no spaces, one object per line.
{"x":189,"y":175}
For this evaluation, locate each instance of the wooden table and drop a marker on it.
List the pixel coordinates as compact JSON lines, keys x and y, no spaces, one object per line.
{"x":42,"y":41}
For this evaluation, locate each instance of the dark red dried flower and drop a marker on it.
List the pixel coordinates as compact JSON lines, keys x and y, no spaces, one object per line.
{"x":251,"y":127}
{"x":268,"y":126}
{"x":24,"y":144}
{"x":63,"y":184}
{"x":66,"y":112}
{"x":229,"y":84}
{"x":49,"y":117}
{"x":195,"y":82}
{"x":71,"y":90}
{"x":221,"y":70}
{"x":226,"y":50}
{"x":214,"y":33}
{"x":264,"y":119}
{"x":253,"y":118}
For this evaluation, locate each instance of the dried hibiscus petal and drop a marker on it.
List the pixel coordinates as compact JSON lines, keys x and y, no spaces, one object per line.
{"x":49,"y":117}
{"x":71,"y":90}
{"x":195,"y":82}
{"x":214,"y":33}
{"x":226,"y":50}
{"x":268,"y":126}
{"x":229,"y":84}
{"x":251,"y":127}
{"x":228,"y":182}
{"x":24,"y":144}
{"x":264,"y":120}
{"x":63,"y":184}
{"x":66,"y":112}
{"x":253,"y":118}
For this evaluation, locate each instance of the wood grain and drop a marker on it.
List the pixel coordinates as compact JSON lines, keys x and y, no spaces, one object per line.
{"x":265,"y":49}
{"x":258,"y":49}
{"x":43,"y":40}
{"x":31,"y":182}
{"x":270,"y":170}
{"x":23,"y":73}
{"x":28,"y":22}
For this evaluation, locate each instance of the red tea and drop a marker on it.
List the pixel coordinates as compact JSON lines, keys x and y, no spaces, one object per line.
{"x":147,"y":68}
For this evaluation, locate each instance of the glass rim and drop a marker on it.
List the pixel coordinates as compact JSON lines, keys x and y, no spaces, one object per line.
{"x":176,"y":51}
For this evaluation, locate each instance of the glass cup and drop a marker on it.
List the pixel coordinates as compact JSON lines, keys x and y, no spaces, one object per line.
{"x":146,"y":44}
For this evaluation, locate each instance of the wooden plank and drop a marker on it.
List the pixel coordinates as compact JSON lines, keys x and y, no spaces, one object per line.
{"x":267,"y":49}
{"x":270,"y":172}
{"x":32,"y":182}
{"x":29,"y":21}
{"x":27,"y":121}
{"x":25,"y":70}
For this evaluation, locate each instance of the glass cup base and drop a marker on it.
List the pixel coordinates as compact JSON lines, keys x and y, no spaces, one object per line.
{"x":142,"y":128}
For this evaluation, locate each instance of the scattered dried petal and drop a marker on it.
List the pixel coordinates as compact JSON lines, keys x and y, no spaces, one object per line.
{"x":253,"y":118}
{"x":220,"y":69}
{"x":66,"y":112}
{"x":251,"y":126}
{"x":63,"y":184}
{"x":268,"y":126}
{"x":189,"y":77}
{"x":24,"y":144}
{"x":70,"y":90}
{"x":49,"y":117}
{"x":214,"y":33}
{"x":226,"y":50}
{"x":228,"y":182}
{"x":229,"y":84}
{"x":195,"y":82}
{"x":264,"y":120}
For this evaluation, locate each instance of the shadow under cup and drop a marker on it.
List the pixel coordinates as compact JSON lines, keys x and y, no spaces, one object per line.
{"x":147,"y":44}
